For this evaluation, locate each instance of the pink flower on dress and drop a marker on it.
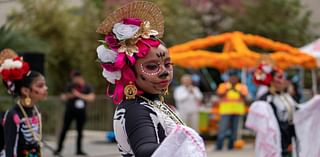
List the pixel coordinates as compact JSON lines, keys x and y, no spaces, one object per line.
{"x":35,"y":120}
{"x":16,"y":119}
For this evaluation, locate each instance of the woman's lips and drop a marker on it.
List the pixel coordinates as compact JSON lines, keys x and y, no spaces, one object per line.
{"x":163,"y":83}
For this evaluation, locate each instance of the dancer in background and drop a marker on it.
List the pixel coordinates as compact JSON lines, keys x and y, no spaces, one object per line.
{"x":22,"y":123}
{"x":271,"y":117}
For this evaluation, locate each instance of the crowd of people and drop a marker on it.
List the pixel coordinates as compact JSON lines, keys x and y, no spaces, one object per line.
{"x":137,"y":64}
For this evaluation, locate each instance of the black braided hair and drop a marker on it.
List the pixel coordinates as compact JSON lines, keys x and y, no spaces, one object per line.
{"x":14,"y":87}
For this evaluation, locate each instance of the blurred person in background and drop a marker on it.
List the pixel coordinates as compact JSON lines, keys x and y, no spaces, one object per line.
{"x":188,"y":99}
{"x":76,"y":96}
{"x":271,"y":117}
{"x":231,"y":107}
{"x":293,"y":88}
{"x":22,"y":123}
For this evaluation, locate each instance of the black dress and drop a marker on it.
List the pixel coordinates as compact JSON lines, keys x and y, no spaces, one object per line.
{"x":19,"y":139}
{"x":283,"y":106}
{"x":139,"y":127}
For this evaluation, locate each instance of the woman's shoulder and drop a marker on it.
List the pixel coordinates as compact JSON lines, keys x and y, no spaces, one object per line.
{"x":12,"y":115}
{"x":135,"y":103}
{"x":13,"y":110}
{"x":134,"y":106}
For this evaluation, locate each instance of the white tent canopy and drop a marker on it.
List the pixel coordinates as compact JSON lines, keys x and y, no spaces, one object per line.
{"x":313,"y":49}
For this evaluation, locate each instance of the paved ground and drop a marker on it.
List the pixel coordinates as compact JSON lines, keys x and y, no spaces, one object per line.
{"x":95,"y":146}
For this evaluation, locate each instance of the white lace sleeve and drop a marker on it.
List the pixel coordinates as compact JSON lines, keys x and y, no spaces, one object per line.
{"x":181,"y":142}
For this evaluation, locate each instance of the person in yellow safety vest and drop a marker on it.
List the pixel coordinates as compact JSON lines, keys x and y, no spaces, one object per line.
{"x":231,"y":106}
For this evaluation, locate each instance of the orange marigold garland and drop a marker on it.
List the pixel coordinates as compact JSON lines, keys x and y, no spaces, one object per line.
{"x":235,"y":53}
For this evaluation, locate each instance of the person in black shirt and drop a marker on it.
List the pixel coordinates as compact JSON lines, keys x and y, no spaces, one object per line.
{"x":76,"y":97}
{"x":22,"y":123}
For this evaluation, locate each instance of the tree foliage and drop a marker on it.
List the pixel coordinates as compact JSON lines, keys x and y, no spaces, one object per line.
{"x":19,"y":41}
{"x":71,"y":37}
{"x":70,"y":34}
{"x":182,"y":23}
{"x":282,"y":20}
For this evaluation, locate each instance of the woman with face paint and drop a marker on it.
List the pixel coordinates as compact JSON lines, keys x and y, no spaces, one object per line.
{"x":139,"y":66}
{"x":272,"y":116}
{"x":22,"y":123}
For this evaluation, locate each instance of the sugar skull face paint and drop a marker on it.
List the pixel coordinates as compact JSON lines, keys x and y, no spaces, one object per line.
{"x":154,"y":68}
{"x":155,"y":71}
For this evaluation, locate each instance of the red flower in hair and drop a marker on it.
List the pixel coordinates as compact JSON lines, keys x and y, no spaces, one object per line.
{"x":15,"y":73}
{"x":25,"y":67}
{"x":5,"y":74}
{"x":261,"y":78}
{"x":262,"y":75}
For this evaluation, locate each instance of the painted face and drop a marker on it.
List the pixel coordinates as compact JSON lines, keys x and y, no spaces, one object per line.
{"x":279,"y":81}
{"x":39,"y":89}
{"x":154,"y":72}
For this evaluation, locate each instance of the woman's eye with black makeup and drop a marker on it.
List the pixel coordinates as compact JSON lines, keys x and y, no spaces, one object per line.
{"x":152,"y":66}
{"x":168,"y":65}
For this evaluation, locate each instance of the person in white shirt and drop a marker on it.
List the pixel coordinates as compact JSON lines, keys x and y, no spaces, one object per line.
{"x":188,"y":98}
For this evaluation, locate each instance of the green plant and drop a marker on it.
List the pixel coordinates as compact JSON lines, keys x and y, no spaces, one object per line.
{"x":70,"y":32}
{"x":19,"y":40}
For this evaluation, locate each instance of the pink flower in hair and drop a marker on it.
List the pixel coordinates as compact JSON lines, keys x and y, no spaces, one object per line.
{"x":144,"y":46}
{"x":130,"y":38}
{"x":132,"y":21}
{"x":112,"y":42}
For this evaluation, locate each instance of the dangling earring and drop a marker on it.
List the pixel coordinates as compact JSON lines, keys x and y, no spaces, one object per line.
{"x":166,"y":92}
{"x":27,"y":101}
{"x":130,"y":90}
